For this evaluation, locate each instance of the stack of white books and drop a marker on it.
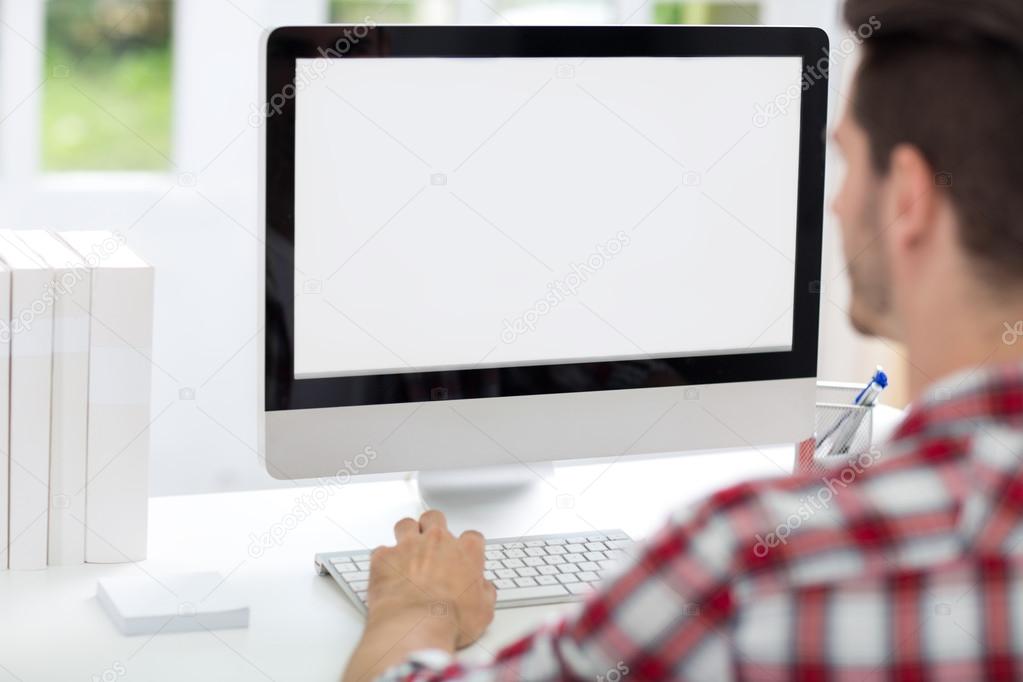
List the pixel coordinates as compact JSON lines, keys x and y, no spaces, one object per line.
{"x":76,"y":331}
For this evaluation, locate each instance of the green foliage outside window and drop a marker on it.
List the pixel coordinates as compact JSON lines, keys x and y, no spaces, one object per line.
{"x":107,"y":95}
{"x":706,"y":13}
{"x":364,"y":11}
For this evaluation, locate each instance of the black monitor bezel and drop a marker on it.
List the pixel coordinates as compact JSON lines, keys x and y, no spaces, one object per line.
{"x":285,"y":45}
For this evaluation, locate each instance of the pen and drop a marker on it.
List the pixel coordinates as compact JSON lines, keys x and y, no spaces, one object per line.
{"x":842,"y":433}
{"x":878,"y":382}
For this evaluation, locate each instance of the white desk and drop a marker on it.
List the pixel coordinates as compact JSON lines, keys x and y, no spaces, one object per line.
{"x":52,"y":629}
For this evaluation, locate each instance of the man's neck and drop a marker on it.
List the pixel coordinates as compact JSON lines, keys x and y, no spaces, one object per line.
{"x":961,"y":339}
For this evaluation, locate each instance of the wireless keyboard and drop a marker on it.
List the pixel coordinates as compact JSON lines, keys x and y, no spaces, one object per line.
{"x":527,"y":571}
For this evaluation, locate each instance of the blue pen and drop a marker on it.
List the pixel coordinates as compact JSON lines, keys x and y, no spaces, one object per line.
{"x":850,"y":422}
{"x":870,"y":392}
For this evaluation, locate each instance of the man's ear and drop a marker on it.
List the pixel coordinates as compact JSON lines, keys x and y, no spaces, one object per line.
{"x":912,"y":199}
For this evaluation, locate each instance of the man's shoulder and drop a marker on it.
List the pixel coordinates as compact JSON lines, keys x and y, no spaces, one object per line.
{"x":842,"y":474}
{"x":858,"y":516}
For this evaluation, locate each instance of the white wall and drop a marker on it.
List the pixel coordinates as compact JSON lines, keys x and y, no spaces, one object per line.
{"x":198,"y":223}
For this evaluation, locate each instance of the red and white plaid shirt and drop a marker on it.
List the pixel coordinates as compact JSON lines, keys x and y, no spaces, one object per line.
{"x":907,"y":567}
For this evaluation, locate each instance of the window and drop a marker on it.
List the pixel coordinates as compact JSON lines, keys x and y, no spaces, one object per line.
{"x":377,"y":12}
{"x":556,"y":11}
{"x":544,"y":11}
{"x":682,"y":12}
{"x":107,"y":97}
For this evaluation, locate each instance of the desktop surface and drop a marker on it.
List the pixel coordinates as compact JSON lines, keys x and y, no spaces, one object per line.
{"x":302,"y":627}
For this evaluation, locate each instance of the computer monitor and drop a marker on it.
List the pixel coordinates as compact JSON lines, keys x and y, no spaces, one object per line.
{"x":492,"y":246}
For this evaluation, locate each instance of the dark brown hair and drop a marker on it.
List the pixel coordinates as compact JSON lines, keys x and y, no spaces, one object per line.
{"x":946,"y":76}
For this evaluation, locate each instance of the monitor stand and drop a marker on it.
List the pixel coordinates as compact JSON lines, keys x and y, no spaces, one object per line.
{"x":504,"y":501}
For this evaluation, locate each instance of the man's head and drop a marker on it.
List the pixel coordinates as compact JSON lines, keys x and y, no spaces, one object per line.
{"x":933,"y":138}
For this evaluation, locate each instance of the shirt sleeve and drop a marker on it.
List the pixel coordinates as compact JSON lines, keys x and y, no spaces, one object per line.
{"x":665,"y":614}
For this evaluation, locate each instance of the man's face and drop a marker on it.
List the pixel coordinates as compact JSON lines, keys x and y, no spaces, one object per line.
{"x":857,"y":208}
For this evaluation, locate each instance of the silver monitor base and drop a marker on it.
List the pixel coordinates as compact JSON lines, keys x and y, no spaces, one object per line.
{"x":502,"y":501}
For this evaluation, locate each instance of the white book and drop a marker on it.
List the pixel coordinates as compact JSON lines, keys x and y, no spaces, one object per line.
{"x":31,"y":330}
{"x":120,"y":348}
{"x":5,"y":405}
{"x":69,"y":402}
{"x":142,"y":605}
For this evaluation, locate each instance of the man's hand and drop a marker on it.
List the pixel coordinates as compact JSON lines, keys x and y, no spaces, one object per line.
{"x":427,"y":592}
{"x":430,"y":572}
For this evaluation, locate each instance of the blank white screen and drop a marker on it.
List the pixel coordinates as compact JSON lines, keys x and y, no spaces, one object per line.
{"x":456,"y":213}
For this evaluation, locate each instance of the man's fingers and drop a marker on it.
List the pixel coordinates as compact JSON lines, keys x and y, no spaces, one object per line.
{"x":432,"y":519}
{"x":472,"y":540}
{"x":405,"y":529}
{"x":491,"y":590}
{"x":380,"y":561}
{"x":473,"y":546}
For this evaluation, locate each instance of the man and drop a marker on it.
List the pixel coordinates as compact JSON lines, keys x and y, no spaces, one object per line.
{"x":912,"y":571}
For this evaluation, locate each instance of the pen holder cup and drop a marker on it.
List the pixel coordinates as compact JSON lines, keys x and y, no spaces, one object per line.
{"x":841,"y":429}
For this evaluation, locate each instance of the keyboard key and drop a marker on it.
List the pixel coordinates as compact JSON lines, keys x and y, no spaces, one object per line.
{"x":547,"y":580}
{"x":527,"y":572}
{"x":535,"y":551}
{"x":503,"y":584}
{"x":492,"y":565}
{"x":359,"y":585}
{"x":595,"y":556}
{"x":548,"y":570}
{"x":618,"y":544}
{"x":488,"y":575}
{"x":596,"y":546}
{"x":494,"y":554}
{"x":568,"y":568}
{"x":556,"y":541}
{"x":618,"y":536}
{"x":567,"y":578}
{"x":535,"y":543}
{"x":352,"y":576}
{"x":538,"y":592}
{"x":597,"y":537}
{"x":513,"y":563}
{"x":575,"y":558}
{"x":525,"y":582}
{"x":533,"y":561}
{"x":514,"y":553}
{"x":575,"y":547}
{"x":579,"y":588}
{"x":587,"y":576}
{"x":363,"y":564}
{"x":556,"y":550}
{"x":553,"y":560}
{"x":589,"y":566}
{"x":346,"y":569}
{"x":513,"y":545}
{"x":506,"y":573}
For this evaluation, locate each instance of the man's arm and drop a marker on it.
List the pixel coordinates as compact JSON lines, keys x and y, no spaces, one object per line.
{"x":676,"y":590}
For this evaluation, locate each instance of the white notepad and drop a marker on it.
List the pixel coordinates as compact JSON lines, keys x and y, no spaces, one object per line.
{"x":141,"y":604}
